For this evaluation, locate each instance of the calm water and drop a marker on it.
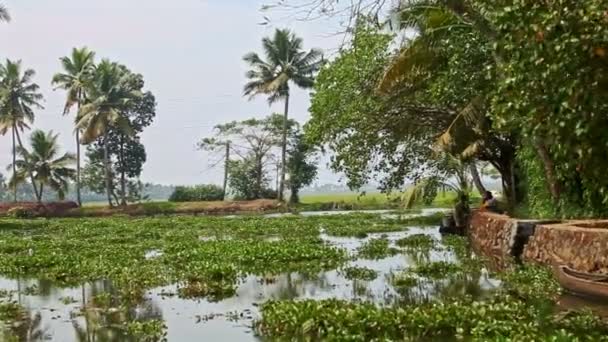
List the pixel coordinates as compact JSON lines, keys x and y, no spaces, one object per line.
{"x":231,"y":319}
{"x":68,"y":315}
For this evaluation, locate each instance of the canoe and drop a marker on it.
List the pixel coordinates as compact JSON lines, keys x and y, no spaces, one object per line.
{"x":587,"y":284}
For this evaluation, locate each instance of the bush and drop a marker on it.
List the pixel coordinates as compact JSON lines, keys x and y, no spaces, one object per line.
{"x":21,"y":213}
{"x":207,"y":192}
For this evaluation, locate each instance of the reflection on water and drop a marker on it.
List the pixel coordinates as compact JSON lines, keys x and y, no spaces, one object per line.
{"x":91,"y":312}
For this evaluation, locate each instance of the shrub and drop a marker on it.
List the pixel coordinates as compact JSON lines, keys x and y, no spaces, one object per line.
{"x":21,"y":213}
{"x":207,"y":192}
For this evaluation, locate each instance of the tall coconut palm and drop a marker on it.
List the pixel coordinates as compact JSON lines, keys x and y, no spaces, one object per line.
{"x":18,"y":94}
{"x":285,"y":63}
{"x":77,"y":73}
{"x":109,"y":94}
{"x":4,"y":15}
{"x":45,"y":165}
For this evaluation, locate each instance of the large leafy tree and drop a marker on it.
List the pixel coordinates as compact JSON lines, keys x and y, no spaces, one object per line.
{"x":111,"y":92}
{"x":126,"y":152}
{"x":372,"y":134}
{"x":554,"y":89}
{"x":46,"y":165}
{"x":77,"y":72}
{"x":450,"y":64}
{"x":18,"y":96}
{"x":285,"y":62}
{"x":252,"y":144}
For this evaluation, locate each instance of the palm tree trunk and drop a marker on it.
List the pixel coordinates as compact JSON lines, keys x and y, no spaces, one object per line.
{"x":40,"y":196}
{"x":14,"y":167}
{"x":123,"y":182}
{"x":477,"y":179}
{"x":78,"y":198}
{"x":16,"y":133}
{"x":284,"y":148}
{"x":106,"y":162}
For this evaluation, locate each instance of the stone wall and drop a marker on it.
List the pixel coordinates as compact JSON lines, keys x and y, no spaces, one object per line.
{"x":582,"y":245}
{"x":493,"y":235}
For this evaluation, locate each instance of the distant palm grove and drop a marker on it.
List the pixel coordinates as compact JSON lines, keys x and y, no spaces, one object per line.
{"x":475,"y":89}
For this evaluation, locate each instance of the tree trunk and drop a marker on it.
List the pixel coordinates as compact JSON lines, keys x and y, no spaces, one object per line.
{"x":295,"y":198}
{"x":549,"y":167}
{"x":123,"y":184}
{"x":226,"y":162}
{"x":78,"y":197}
{"x":16,"y":133}
{"x":40,"y":197}
{"x":477,"y":179}
{"x":259,"y":173}
{"x":14,"y":167}
{"x":284,"y":148}
{"x":106,"y":162}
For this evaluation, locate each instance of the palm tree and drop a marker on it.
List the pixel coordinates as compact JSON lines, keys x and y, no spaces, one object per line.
{"x":18,"y":94}
{"x":4,"y":15}
{"x":285,"y":62}
{"x":109,"y":94}
{"x":45,"y":164}
{"x":78,"y":70}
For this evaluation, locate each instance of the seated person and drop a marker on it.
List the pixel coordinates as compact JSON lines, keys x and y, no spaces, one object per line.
{"x":489,"y":203}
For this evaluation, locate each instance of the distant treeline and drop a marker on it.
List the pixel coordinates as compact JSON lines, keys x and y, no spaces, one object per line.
{"x":151,"y":192}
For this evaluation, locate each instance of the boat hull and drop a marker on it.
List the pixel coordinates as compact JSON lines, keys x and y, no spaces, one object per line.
{"x":586,"y":284}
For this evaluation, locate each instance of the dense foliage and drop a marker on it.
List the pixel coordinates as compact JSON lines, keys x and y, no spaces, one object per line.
{"x":207,"y":192}
{"x":520,"y":85}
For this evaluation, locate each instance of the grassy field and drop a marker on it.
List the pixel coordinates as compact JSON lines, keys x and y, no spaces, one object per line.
{"x":377,"y":200}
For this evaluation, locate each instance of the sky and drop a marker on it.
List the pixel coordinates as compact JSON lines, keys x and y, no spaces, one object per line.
{"x":189,"y":52}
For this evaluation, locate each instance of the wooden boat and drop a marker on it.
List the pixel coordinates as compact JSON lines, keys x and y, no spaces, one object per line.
{"x":587,"y":284}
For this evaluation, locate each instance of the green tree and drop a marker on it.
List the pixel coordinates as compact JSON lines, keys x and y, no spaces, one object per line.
{"x":253,"y":141}
{"x":18,"y":96}
{"x":554,"y":89}
{"x":285,"y":63}
{"x":110,"y":93}
{"x":45,"y":164}
{"x":371,"y":134}
{"x":126,"y":152}
{"x":302,"y":169}
{"x":240,"y":175}
{"x":77,"y":73}
{"x":4,"y":15}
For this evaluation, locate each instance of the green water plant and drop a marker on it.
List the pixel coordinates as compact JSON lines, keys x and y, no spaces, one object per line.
{"x":499,"y":319}
{"x":437,"y":269}
{"x":360,"y":273}
{"x":376,"y":249}
{"x":420,"y":242}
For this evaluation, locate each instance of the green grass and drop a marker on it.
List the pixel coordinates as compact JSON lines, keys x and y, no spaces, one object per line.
{"x":375,"y":200}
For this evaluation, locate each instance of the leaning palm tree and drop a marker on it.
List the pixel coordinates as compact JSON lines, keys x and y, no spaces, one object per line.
{"x":78,"y":70}
{"x":45,"y":165}
{"x":285,"y":62}
{"x":109,"y":94}
{"x":4,"y":15}
{"x":18,"y":94}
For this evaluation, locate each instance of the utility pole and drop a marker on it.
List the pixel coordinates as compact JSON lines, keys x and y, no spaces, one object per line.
{"x":226,"y":162}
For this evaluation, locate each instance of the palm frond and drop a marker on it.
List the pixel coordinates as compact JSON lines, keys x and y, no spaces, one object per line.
{"x":4,"y":15}
{"x":465,"y":134}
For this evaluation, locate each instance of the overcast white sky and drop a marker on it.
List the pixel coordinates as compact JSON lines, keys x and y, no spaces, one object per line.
{"x":189,"y":52}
